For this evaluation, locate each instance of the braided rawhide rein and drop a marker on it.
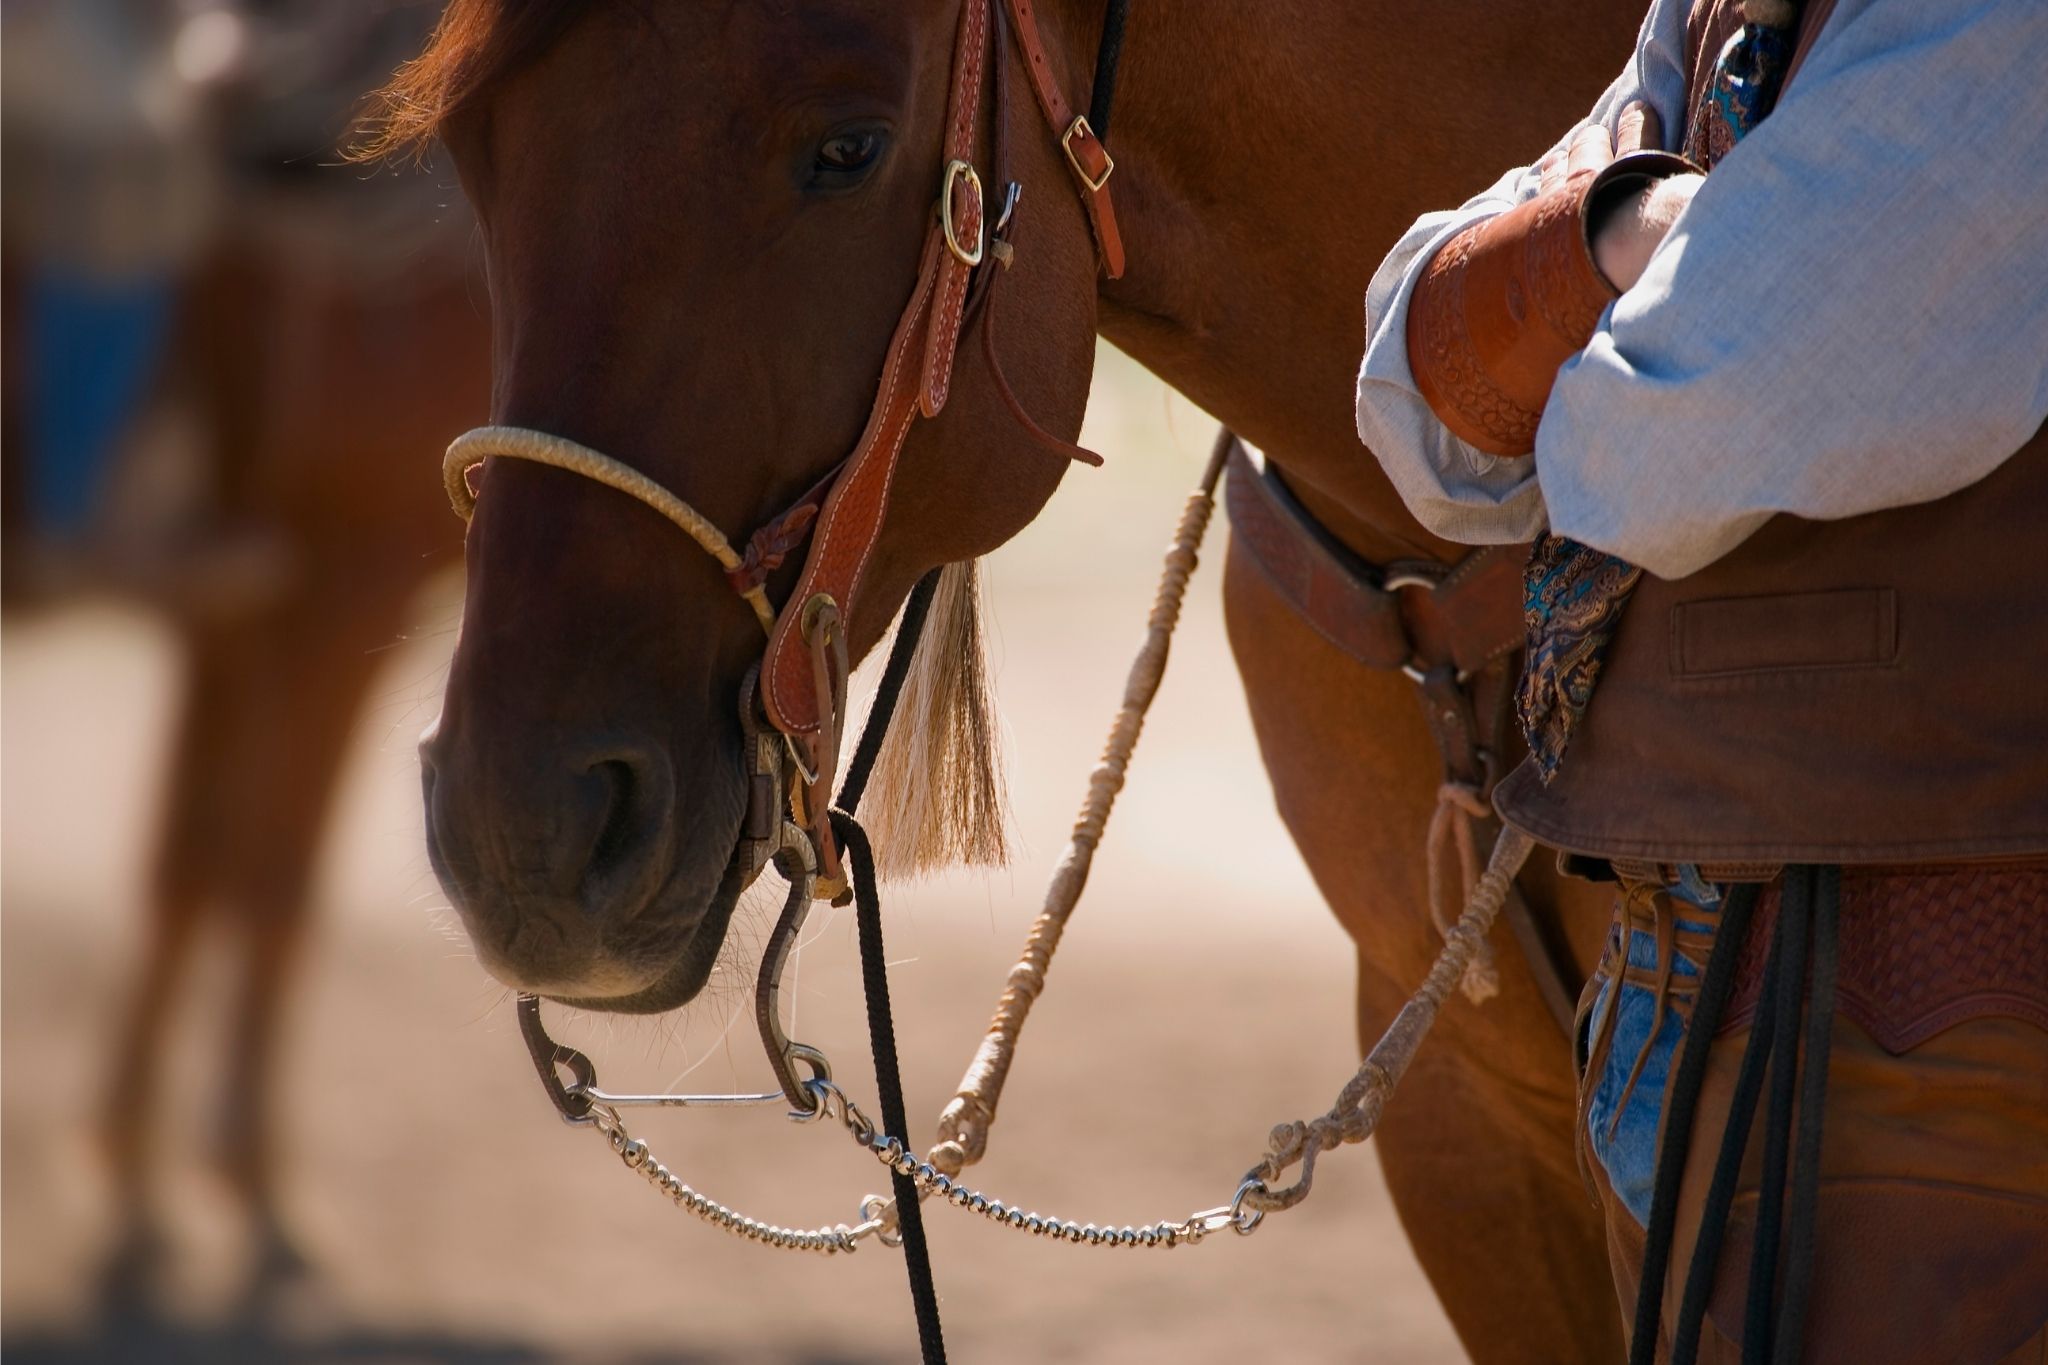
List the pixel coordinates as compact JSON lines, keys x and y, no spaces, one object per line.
{"x":1360,"y":1103}
{"x":1460,"y":806}
{"x":963,"y":1127}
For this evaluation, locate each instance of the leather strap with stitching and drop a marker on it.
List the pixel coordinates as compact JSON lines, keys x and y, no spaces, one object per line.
{"x":917,"y":375}
{"x":1086,"y":157}
{"x":1472,"y":616}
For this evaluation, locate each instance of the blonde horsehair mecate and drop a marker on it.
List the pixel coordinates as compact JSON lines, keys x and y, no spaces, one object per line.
{"x":937,"y":796}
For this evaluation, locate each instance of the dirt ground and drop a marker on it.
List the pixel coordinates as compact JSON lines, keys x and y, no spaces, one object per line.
{"x":1202,"y":996}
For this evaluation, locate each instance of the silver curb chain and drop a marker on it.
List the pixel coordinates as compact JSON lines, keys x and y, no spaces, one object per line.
{"x":876,"y":1211}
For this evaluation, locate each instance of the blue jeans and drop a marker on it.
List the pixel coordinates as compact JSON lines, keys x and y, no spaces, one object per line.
{"x":1622,"y":1119}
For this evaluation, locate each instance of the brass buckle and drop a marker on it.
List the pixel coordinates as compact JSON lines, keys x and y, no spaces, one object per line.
{"x":954,"y":171}
{"x":1080,"y":125}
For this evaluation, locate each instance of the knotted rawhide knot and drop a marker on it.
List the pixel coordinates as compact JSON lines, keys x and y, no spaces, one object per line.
{"x":1351,"y":1119}
{"x":981,"y":1087}
{"x":771,"y":546}
{"x":1027,"y":979}
{"x":1459,"y":805}
{"x":948,"y":1157}
{"x":1372,"y":1079}
{"x":963,"y":1135}
{"x":1356,"y":1114}
{"x":1464,"y":797}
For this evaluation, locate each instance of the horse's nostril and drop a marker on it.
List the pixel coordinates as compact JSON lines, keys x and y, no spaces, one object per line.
{"x":626,"y":862}
{"x":620,"y":831}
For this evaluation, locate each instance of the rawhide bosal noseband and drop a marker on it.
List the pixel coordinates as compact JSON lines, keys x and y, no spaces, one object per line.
{"x":792,"y":710}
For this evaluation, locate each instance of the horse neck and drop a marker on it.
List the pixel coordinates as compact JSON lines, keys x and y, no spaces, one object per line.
{"x":1265,"y":162}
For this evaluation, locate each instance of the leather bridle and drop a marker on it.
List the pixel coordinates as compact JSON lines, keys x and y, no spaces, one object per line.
{"x":799,"y":689}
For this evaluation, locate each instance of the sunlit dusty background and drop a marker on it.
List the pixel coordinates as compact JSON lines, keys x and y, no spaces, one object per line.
{"x":444,"y":1212}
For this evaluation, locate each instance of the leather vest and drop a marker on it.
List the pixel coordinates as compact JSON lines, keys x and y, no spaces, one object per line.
{"x":1869,"y":690}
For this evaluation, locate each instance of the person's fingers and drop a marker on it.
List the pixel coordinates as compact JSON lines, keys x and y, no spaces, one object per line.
{"x":1638,"y":129}
{"x":1590,"y":150}
{"x":1550,"y":170}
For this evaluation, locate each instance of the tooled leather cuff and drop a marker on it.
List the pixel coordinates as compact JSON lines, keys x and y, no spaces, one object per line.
{"x":1506,"y":302}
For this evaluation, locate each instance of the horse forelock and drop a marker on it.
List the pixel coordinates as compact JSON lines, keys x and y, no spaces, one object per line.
{"x":476,"y":44}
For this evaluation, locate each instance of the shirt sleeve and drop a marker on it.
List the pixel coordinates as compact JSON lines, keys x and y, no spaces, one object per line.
{"x":1454,"y":490}
{"x":1851,"y":315}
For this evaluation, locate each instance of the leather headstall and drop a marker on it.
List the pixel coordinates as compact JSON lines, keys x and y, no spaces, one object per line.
{"x":793,"y":704}
{"x":802,"y":678}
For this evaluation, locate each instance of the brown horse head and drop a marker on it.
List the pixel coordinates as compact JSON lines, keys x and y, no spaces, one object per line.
{"x":702,"y":223}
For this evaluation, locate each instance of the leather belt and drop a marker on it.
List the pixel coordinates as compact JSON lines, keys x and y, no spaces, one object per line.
{"x":1666,"y":874}
{"x":1411,"y":614}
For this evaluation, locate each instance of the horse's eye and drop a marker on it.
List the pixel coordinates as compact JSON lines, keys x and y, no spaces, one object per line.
{"x":847,"y":154}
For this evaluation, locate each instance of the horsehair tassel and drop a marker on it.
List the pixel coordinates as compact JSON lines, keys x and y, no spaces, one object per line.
{"x":938,"y":793}
{"x":1364,"y":1097}
{"x":963,"y":1126}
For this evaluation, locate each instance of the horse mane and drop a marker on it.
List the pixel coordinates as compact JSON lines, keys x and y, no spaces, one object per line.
{"x":476,"y":44}
{"x":936,"y":798}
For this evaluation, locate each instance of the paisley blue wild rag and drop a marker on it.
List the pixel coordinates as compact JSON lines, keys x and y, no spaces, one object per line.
{"x":1573,"y":595}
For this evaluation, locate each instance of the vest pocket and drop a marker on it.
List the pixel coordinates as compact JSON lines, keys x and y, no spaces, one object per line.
{"x":1848,"y":628}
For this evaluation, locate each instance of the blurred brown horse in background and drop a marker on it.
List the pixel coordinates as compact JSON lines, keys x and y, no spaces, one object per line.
{"x":319,"y":396}
{"x":329,"y":335}
{"x":701,"y":223}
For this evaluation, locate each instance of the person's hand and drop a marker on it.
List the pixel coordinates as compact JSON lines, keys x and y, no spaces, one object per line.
{"x":1630,"y":230}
